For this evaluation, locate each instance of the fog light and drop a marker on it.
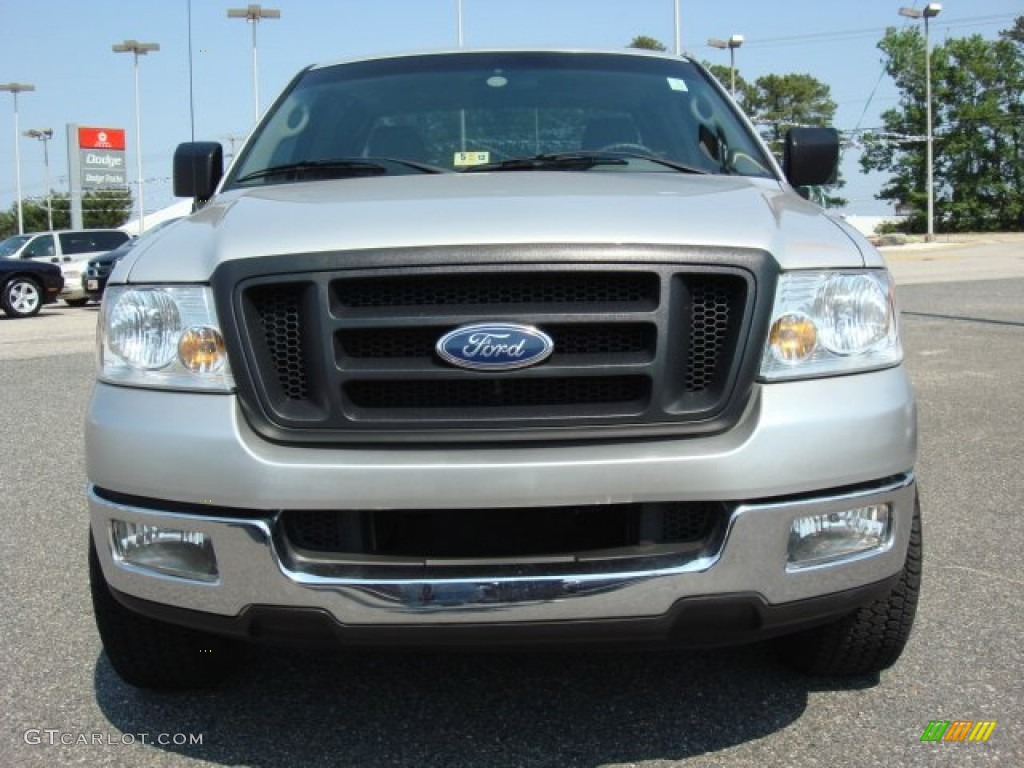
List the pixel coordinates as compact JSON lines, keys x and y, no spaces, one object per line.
{"x":824,"y":538}
{"x":188,"y":554}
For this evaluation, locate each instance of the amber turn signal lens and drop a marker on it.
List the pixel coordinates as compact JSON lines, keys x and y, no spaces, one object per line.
{"x":793,"y":338}
{"x":201,"y":350}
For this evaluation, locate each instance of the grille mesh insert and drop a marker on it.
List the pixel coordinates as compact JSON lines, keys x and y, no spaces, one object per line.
{"x":496,"y":393}
{"x":497,"y":289}
{"x":279,"y":318}
{"x":711,"y":313}
{"x":504,"y":532}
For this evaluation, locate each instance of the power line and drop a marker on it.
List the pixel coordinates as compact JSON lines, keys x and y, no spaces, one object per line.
{"x":853,"y":34}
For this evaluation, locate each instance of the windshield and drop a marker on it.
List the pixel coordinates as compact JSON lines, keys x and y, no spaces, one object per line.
{"x":11,"y":245}
{"x":476,"y":111}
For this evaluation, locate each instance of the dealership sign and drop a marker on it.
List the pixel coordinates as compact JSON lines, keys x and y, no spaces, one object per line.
{"x":101,"y":158}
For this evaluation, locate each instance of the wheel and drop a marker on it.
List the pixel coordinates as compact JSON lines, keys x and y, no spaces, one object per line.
{"x":76,"y":302}
{"x":871,"y":638}
{"x":628,"y":148}
{"x":22,"y":297}
{"x":153,"y":654}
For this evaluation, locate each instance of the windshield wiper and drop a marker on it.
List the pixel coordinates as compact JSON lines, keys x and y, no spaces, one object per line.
{"x":340,"y":167}
{"x":559,"y":161}
{"x":415,"y":164}
{"x":579,"y":161}
{"x":682,"y":167}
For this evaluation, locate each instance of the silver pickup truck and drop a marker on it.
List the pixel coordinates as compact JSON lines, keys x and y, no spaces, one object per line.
{"x":507,"y":348}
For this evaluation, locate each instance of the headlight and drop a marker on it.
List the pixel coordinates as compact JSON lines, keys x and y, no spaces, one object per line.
{"x":826,"y":323}
{"x":162,"y":336}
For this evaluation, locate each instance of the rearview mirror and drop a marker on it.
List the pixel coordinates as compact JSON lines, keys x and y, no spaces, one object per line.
{"x":810,"y":156}
{"x":198,"y":167}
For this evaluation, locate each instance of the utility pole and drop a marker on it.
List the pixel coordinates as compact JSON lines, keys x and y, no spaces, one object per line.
{"x":930,"y":11}
{"x":14,"y":89}
{"x":44,"y":135}
{"x":732,"y":44}
{"x":253,"y":13}
{"x":137,"y":49}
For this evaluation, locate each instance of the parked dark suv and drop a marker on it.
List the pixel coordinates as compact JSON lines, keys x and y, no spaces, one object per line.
{"x":96,"y":274}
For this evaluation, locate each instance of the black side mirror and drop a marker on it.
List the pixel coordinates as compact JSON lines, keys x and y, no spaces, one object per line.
{"x":810,"y":156}
{"x":198,"y":166}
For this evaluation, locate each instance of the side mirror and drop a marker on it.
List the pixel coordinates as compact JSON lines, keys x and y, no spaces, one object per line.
{"x":198,"y":166}
{"x":810,"y":156}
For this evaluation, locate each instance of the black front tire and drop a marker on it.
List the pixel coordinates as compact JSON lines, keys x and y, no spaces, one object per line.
{"x":21,"y":297}
{"x":153,"y":654}
{"x":871,"y":638}
{"x":76,"y":302}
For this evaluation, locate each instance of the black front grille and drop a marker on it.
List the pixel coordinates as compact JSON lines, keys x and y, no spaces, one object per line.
{"x":100,"y":269}
{"x":504,"y":533}
{"x":351,"y":354}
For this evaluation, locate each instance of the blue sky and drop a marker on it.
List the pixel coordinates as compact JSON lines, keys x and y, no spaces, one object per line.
{"x":63,"y":48}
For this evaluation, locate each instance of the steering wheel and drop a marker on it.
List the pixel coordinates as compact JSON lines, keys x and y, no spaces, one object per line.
{"x":628,"y":147}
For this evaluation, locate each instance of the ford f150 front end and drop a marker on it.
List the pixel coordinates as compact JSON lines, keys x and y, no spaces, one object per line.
{"x":506,"y":348}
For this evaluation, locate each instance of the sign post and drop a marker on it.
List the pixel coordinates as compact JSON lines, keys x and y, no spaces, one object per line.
{"x":96,"y":161}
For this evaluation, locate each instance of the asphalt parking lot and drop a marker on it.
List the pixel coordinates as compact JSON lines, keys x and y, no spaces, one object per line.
{"x":963,"y":322}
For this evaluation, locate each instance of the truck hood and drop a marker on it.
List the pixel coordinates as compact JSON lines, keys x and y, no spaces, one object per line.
{"x":498,"y":208}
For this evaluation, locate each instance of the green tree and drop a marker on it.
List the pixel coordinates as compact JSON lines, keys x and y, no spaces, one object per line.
{"x":101,"y":209}
{"x":1016,"y":32}
{"x":724,"y":76}
{"x":33,"y":214}
{"x":978,"y":128}
{"x":780,"y":102}
{"x":646,"y":43}
{"x":106,"y":208}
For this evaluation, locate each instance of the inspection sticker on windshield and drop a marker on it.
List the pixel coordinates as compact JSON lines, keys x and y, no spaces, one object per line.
{"x":464,"y":159}
{"x":676,"y":84}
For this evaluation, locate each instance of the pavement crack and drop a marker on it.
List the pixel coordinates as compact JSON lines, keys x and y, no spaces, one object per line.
{"x":960,"y":318}
{"x":982,"y":573}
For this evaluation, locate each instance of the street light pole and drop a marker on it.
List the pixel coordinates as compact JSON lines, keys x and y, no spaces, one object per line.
{"x":675,"y":29}
{"x":14,"y":89}
{"x":137,"y":49}
{"x":458,"y":20}
{"x":732,"y":44}
{"x":253,"y":13}
{"x":930,"y":11}
{"x":44,"y":135}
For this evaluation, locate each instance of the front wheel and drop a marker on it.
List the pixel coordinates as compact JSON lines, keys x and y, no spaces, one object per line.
{"x":153,"y":654}
{"x":76,"y":302}
{"x":21,"y":297}
{"x":871,"y":638}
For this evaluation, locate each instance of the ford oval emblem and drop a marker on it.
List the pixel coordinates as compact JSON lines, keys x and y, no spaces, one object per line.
{"x":495,"y":346}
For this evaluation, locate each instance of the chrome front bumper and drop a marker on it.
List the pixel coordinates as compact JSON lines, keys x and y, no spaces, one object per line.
{"x":256,"y":568}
